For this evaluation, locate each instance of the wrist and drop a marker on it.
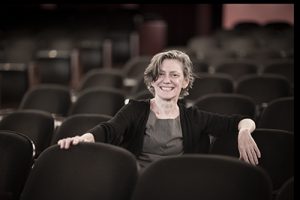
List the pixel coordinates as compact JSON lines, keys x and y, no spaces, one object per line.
{"x":244,"y":131}
{"x":88,"y":137}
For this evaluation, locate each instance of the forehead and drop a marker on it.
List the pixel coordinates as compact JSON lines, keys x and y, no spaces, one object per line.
{"x":170,"y":65}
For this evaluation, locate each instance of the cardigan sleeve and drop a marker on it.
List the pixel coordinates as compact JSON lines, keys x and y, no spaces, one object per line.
{"x":113,"y":130}
{"x":123,"y":125}
{"x":217,"y":125}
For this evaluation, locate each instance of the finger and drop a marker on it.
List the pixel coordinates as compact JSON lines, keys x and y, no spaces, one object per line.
{"x":60,"y":143}
{"x":251,"y":157}
{"x":243,"y":156}
{"x":76,"y":140}
{"x":67,"y":143}
{"x":255,"y":159}
{"x":257,"y":151}
{"x":255,"y":156}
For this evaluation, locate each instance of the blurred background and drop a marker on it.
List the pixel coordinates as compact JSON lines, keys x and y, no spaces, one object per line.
{"x":64,"y":68}
{"x":61,"y":43}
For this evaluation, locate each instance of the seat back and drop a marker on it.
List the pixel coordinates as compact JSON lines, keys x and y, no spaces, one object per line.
{"x":277,"y":149}
{"x":90,"y":47}
{"x":88,"y":171}
{"x":16,"y":158}
{"x":139,"y":86}
{"x":200,"y":66}
{"x":55,"y":99}
{"x":54,"y":66}
{"x":98,"y":100}
{"x":279,"y":114}
{"x":204,"y":177}
{"x":236,"y":69}
{"x":286,"y":192}
{"x":37,"y":125}
{"x":241,"y":46}
{"x":102,"y":78}
{"x":284,"y":68}
{"x":14,"y":83}
{"x":210,"y":83}
{"x":77,"y":125}
{"x":263,"y":88}
{"x":135,"y":67}
{"x":227,"y":104}
{"x":277,"y":152}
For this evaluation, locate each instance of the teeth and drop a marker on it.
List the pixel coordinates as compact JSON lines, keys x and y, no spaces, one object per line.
{"x":166,"y":88}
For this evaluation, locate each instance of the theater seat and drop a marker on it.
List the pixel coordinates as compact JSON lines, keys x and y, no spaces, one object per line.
{"x":89,"y":171}
{"x":208,"y":177}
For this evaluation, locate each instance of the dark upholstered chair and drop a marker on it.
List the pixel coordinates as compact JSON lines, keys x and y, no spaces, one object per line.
{"x":14,"y":84}
{"x":102,"y":78}
{"x":210,"y":83}
{"x":52,"y":98}
{"x":279,"y":114}
{"x":263,"y":88}
{"x":89,"y":171}
{"x":236,"y":69}
{"x":284,"y":68}
{"x":207,"y":177}
{"x":77,"y":125}
{"x":37,"y":125}
{"x":227,"y":104}
{"x":98,"y":100}
{"x":277,"y":153}
{"x":286,"y":192}
{"x":16,"y":159}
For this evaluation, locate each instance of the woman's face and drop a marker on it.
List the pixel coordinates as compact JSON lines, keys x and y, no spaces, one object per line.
{"x":170,"y":80}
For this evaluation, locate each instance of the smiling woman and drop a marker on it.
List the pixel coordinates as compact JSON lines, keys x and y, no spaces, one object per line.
{"x":160,"y":127}
{"x":177,"y":64}
{"x":166,"y":86}
{"x":170,"y":80}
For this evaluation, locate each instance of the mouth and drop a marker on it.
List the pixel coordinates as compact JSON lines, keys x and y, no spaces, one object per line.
{"x":166,"y":89}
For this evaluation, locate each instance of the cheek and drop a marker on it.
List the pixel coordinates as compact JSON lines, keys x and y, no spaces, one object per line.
{"x":156,"y":82}
{"x":180,"y":83}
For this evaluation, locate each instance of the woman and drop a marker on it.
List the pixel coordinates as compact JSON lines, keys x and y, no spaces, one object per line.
{"x":162,"y":126}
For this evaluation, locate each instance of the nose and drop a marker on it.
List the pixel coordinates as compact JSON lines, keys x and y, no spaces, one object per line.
{"x":166,"y":79}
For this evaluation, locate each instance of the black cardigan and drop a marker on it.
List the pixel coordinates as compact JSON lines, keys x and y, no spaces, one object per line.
{"x":127,"y":127}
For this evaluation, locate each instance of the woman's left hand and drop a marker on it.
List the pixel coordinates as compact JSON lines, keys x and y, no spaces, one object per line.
{"x":248,"y":149}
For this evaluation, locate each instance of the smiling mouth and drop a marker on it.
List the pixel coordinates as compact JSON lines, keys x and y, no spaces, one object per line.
{"x":166,"y":89}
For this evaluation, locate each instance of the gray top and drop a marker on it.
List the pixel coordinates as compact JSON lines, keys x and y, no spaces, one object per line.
{"x":163,"y":137}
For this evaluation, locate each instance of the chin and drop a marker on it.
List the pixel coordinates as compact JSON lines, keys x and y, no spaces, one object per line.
{"x":168,"y":98}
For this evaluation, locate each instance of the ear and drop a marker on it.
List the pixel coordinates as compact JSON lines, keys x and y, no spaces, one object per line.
{"x":185,"y":83}
{"x":151,"y":84}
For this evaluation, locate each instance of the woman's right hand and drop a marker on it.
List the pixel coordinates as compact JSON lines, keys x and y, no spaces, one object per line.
{"x":67,"y":142}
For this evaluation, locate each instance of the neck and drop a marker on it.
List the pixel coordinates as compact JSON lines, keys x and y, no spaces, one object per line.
{"x":164,"y":108}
